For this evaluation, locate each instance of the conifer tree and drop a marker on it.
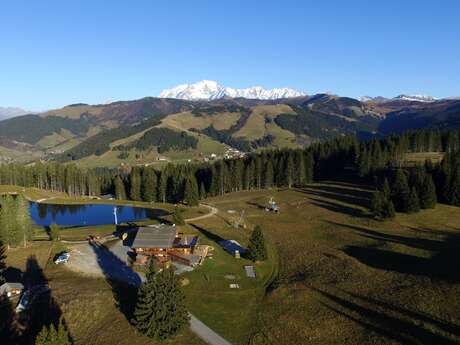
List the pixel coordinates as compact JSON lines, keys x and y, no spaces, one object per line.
{"x":202,"y":191}
{"x":51,"y":336}
{"x":160,"y":311}
{"x":162,"y":186}
{"x":120,"y":192}
{"x":54,"y":232}
{"x":135,"y":185}
{"x":191,"y":196}
{"x":177,"y":217}
{"x":386,"y":189}
{"x":427,"y":193}
{"x":388,"y":210}
{"x":413,"y":204}
{"x":268,"y":174}
{"x":378,"y":204}
{"x":149,"y":184}
{"x":400,"y":193}
{"x":24,"y":221}
{"x":453,"y":191}
{"x":256,"y":248}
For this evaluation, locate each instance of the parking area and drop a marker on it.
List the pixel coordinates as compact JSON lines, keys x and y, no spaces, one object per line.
{"x":108,"y":261}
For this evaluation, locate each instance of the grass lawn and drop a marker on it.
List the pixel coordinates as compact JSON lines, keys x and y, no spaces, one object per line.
{"x":230,"y":312}
{"x":335,"y":275}
{"x":347,"y":279}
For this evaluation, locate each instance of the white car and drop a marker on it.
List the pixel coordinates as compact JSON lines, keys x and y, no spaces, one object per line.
{"x":62,"y":259}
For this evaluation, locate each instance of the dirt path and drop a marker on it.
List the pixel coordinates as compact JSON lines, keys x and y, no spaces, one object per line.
{"x":213,"y":211}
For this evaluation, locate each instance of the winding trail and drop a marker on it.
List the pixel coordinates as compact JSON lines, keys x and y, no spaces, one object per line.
{"x":213,"y":211}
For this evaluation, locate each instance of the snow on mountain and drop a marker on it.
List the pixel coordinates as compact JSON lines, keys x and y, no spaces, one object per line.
{"x":209,"y":90}
{"x":7,"y":112}
{"x":416,"y":98}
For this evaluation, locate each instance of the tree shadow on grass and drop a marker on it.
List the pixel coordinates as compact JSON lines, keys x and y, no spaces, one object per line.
{"x":342,"y":194}
{"x":123,"y":281}
{"x":213,"y":237}
{"x":339,"y":208}
{"x":391,"y":322}
{"x":440,"y":266}
{"x":43,"y":310}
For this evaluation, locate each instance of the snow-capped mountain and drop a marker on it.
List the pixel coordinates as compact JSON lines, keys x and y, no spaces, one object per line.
{"x":372,"y":99}
{"x":7,"y":112}
{"x":416,"y":98}
{"x":209,"y":90}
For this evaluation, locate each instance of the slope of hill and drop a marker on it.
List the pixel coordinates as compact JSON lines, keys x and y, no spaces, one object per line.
{"x":441,"y":114}
{"x":116,"y":130}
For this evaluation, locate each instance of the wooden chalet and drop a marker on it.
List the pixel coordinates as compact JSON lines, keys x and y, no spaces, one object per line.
{"x":162,"y":243}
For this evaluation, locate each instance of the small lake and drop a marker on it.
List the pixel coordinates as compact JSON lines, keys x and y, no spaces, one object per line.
{"x":89,"y":214}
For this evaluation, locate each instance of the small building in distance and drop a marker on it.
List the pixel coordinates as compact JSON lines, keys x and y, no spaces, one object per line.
{"x":164,"y":244}
{"x":9,"y":290}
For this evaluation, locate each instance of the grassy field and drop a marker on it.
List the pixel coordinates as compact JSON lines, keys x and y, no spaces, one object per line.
{"x":230,"y":312}
{"x":422,"y":157}
{"x":347,"y":279}
{"x":335,"y":275}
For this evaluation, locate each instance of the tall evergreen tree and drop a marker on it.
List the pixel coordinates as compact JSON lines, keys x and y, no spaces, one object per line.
{"x":135,"y":184}
{"x":177,"y":216}
{"x":160,"y":310}
{"x":23,"y":218}
{"x":268,"y":174}
{"x":256,"y":249}
{"x":386,"y":189}
{"x":120,"y":191}
{"x":413,"y":204}
{"x":149,"y":184}
{"x":162,"y":186}
{"x":378,"y":204}
{"x":452,"y":192}
{"x":191,"y":193}
{"x":427,"y":193}
{"x":400,"y":193}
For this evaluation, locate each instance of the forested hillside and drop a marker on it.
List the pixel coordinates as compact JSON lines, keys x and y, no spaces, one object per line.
{"x":381,"y":161}
{"x":80,"y":131}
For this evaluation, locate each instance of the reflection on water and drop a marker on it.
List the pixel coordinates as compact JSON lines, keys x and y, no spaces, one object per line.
{"x":91,"y":214}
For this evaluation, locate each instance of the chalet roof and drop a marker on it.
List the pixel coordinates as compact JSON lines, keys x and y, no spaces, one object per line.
{"x":158,"y":236}
{"x":10,"y":286}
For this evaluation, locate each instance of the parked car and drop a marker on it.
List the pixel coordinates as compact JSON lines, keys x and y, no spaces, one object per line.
{"x":62,"y":258}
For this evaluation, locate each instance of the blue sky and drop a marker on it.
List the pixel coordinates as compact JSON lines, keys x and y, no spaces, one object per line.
{"x":54,"y":53}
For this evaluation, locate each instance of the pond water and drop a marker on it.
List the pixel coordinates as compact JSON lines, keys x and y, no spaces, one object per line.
{"x":89,"y":214}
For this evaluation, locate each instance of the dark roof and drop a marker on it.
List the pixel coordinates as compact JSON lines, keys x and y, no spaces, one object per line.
{"x":158,"y":236}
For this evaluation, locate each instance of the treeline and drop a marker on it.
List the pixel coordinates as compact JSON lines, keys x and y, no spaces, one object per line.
{"x":164,"y":139}
{"x":56,"y":177}
{"x":190,"y":183}
{"x":377,"y":160}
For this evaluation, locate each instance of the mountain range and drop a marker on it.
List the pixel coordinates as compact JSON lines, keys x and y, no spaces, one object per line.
{"x":210,"y":90}
{"x":145,"y":130}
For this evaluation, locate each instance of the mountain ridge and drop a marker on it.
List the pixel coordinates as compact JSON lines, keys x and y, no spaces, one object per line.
{"x":211,"y":90}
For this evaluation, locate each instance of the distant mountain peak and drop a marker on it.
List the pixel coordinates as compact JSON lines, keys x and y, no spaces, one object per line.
{"x":7,"y":112}
{"x":416,"y":98}
{"x":209,"y":90}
